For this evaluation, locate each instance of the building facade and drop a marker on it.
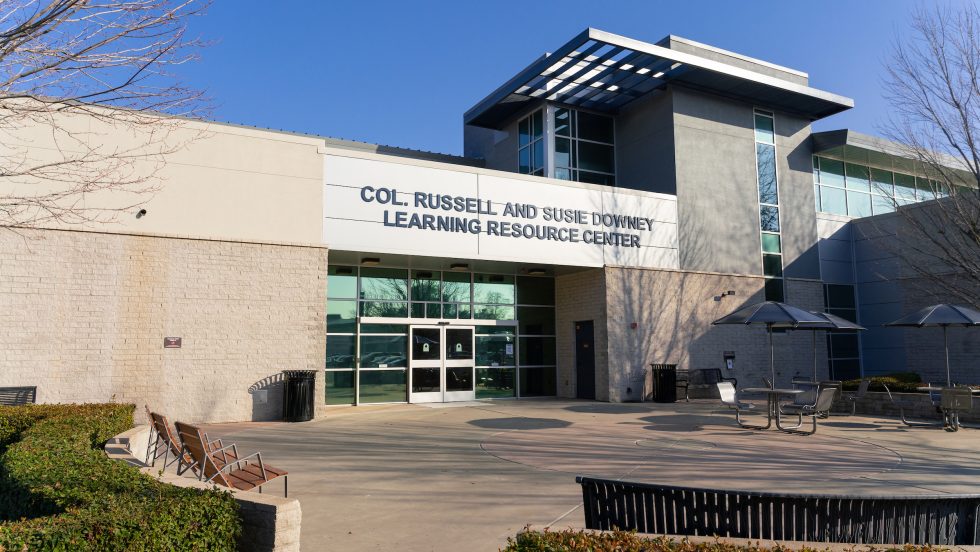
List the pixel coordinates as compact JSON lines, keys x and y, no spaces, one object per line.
{"x":613,"y":199}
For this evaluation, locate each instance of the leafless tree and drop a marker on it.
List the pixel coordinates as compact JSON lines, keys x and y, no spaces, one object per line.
{"x":933,"y":84}
{"x":89,"y":100}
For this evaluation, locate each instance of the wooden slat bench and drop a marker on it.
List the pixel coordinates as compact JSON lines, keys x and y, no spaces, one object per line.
{"x":938,"y":519}
{"x":16,"y":396}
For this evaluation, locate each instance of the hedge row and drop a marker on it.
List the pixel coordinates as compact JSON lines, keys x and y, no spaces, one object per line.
{"x":900,"y":382}
{"x":59,"y":491}
{"x":623,"y":541}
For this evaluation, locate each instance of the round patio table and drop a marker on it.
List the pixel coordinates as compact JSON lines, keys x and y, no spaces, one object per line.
{"x":773,"y":400}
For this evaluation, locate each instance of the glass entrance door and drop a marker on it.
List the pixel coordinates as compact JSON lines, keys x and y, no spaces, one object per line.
{"x":442,"y":364}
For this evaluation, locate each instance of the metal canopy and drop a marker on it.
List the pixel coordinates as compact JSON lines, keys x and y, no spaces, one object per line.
{"x":603,"y":72}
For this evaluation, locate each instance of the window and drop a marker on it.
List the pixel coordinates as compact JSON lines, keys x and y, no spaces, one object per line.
{"x":531,"y":143}
{"x":857,"y":190}
{"x":765,"y":162}
{"x":584,"y":147}
{"x":843,"y":349}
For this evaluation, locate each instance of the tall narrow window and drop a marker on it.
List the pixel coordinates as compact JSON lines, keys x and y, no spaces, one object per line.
{"x":771,"y":238}
{"x":531,"y":143}
{"x":843,"y":350}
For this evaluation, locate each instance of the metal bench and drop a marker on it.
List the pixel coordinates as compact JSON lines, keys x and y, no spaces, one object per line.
{"x":706,"y":378}
{"x":16,"y":396}
{"x":940,"y":519}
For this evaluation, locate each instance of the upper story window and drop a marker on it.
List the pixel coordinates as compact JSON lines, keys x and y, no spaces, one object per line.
{"x":531,"y":142}
{"x":584,"y":147}
{"x":859,"y":191}
{"x":771,"y":238}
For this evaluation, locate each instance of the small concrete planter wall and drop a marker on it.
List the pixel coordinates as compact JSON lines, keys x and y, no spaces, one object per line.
{"x":269,"y":523}
{"x":878,"y":404}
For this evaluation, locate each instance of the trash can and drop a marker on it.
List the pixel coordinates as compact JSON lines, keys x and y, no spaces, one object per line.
{"x":664,"y":383}
{"x":298,"y":391}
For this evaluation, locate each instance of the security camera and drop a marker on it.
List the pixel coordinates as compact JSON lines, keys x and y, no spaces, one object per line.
{"x":141,"y":213}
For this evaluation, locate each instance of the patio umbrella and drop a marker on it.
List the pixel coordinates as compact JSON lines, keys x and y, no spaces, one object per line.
{"x":772,"y":314}
{"x":941,"y":315}
{"x":834,"y":324}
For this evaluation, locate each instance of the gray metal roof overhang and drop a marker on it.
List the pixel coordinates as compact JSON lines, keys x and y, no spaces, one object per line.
{"x":603,"y":72}
{"x":864,"y":149}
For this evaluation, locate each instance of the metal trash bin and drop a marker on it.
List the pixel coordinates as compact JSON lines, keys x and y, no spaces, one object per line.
{"x":298,"y":390}
{"x":664,"y":383}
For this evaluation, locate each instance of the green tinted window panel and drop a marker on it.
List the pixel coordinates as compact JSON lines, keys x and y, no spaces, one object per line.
{"x":766,"y":171}
{"x":456,"y":287}
{"x":496,"y":383}
{"x":493,"y":288}
{"x":881,"y":182}
{"x":340,"y":351}
{"x":537,"y":125}
{"x":771,"y":243}
{"x":493,"y":312}
{"x":833,"y":200}
{"x":384,"y":328}
{"x":536,"y":320}
{"x":384,"y":351}
{"x":904,"y":187}
{"x":535,"y":290}
{"x":772,"y":265}
{"x":857,"y":177}
{"x":596,"y":157}
{"x":831,"y":172}
{"x":383,"y":386}
{"x":342,"y":282}
{"x":598,"y":128}
{"x":339,"y":387}
{"x":538,"y":382}
{"x":595,"y":178}
{"x":426,"y":286}
{"x":384,"y":284}
{"x":341,"y":316}
{"x":858,"y":204}
{"x":764,"y":131}
{"x":457,"y":311}
{"x":881,"y":204}
{"x":537,"y":351}
{"x":496,"y":350}
{"x":496,"y":330}
{"x":386,"y":309}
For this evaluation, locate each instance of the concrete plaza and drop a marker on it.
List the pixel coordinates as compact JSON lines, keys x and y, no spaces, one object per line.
{"x":466,"y":477}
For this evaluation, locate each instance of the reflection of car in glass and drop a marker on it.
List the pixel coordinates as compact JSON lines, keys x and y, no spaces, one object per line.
{"x":340,"y":361}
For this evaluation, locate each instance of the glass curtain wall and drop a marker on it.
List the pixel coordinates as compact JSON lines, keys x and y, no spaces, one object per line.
{"x":512,"y":359}
{"x":584,"y":147}
{"x":531,"y":141}
{"x":843,"y":349}
{"x":771,"y":238}
{"x":854,"y":190}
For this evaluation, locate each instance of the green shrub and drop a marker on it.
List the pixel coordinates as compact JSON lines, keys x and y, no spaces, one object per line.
{"x":59,"y":491}
{"x":623,"y":541}
{"x":899,"y":382}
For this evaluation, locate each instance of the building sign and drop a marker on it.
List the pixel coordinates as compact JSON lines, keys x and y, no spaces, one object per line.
{"x":372,"y":205}
{"x":171,"y":342}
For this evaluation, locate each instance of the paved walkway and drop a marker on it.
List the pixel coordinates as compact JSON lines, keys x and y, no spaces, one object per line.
{"x":447,"y":477}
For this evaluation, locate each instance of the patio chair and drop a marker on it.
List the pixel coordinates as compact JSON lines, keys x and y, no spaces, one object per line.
{"x":160,"y":427}
{"x":858,"y":395}
{"x":819,"y":408}
{"x":902,"y":405}
{"x":244,"y":473}
{"x":953,"y":401}
{"x":729,"y":398}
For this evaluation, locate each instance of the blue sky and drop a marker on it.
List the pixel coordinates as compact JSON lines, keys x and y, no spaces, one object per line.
{"x":402,"y":73}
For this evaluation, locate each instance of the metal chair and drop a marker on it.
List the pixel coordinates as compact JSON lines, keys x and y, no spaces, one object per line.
{"x":729,"y":398}
{"x":854,"y":398}
{"x":953,"y":401}
{"x":820,"y":407}
{"x":902,"y":405}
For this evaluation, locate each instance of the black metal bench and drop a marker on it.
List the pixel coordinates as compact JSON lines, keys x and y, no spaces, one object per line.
{"x":702,"y":378}
{"x":15,"y":396}
{"x":661,"y":509}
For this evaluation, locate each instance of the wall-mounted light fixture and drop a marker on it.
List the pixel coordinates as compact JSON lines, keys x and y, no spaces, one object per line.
{"x":459,"y":267}
{"x":724,"y":294}
{"x":141,"y":213}
{"x":536,"y":272}
{"x":370,"y":261}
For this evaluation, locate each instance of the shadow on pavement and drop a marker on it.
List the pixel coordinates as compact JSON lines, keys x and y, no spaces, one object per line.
{"x":607,"y":408}
{"x":519,"y":423}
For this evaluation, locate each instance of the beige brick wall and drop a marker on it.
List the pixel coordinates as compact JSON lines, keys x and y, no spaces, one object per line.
{"x":673,"y":312}
{"x":83,"y":316}
{"x":580,"y":296}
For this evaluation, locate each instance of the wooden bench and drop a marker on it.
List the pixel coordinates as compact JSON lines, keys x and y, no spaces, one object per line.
{"x":16,"y":396}
{"x":939,"y":519}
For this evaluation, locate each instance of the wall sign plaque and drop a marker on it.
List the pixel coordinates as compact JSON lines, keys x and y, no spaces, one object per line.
{"x":171,"y":343}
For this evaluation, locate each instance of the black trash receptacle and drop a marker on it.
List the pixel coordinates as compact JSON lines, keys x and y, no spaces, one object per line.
{"x":298,"y":391}
{"x":664,"y":383}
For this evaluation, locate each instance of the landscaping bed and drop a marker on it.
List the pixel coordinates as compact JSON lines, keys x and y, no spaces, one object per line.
{"x":59,"y":491}
{"x":625,"y":541}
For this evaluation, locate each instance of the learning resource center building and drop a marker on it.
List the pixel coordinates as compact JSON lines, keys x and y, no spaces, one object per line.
{"x":613,"y":199}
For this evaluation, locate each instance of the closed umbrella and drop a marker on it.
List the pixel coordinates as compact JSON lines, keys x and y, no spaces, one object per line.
{"x":834,"y":324}
{"x":941,"y":315}
{"x":774,"y":315}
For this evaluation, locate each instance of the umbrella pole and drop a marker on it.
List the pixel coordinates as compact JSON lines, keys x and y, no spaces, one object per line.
{"x":946,"y":344}
{"x":772,"y":359}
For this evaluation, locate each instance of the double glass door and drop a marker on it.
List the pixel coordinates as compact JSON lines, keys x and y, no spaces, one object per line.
{"x":441,"y":365}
